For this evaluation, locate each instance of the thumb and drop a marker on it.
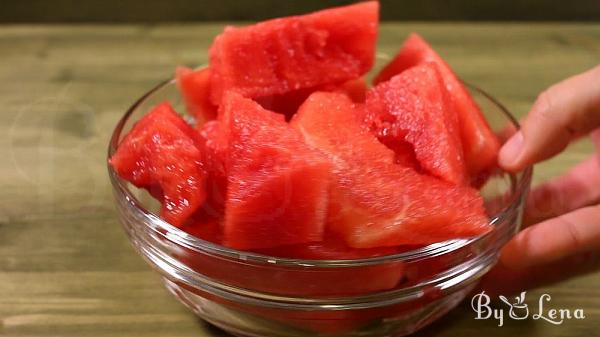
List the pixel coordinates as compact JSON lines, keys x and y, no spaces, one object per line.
{"x":560,"y":114}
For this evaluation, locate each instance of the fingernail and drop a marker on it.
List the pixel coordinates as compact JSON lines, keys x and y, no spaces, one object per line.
{"x":511,"y":151}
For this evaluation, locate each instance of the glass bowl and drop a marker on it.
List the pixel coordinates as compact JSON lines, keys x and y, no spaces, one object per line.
{"x":249,"y":294}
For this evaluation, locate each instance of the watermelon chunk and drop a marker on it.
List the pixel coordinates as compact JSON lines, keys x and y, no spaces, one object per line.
{"x":374,"y":202}
{"x":277,"y":184}
{"x":194,"y":86}
{"x":404,"y":153}
{"x":288,"y":103}
{"x":363,"y":146}
{"x":164,"y":154}
{"x":356,"y":89}
{"x":281,"y":55}
{"x":213,"y":144}
{"x":215,"y":156}
{"x":331,"y":248}
{"x":480,"y":144}
{"x":414,"y":107}
{"x":366,"y":279}
{"x":205,"y":227}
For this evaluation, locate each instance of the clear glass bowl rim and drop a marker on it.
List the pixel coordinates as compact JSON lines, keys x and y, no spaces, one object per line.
{"x":179,"y":237}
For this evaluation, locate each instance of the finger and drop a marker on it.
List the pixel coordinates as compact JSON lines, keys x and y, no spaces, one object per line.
{"x":578,"y":188}
{"x":551,"y":240}
{"x":502,"y":280}
{"x":561,"y":113}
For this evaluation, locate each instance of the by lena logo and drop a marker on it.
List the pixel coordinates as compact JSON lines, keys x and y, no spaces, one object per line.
{"x":519,"y":310}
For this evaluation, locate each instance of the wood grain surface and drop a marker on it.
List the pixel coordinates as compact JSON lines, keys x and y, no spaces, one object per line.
{"x":66,"y":268}
{"x":153,"y":11}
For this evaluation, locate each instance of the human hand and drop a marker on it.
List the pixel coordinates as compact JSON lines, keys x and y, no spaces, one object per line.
{"x":561,"y":237}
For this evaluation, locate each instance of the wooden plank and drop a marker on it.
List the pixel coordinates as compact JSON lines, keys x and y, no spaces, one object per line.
{"x":61,"y":11}
{"x":66,"y":268}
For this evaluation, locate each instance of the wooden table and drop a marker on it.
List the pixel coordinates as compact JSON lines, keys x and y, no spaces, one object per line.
{"x":66,"y":268}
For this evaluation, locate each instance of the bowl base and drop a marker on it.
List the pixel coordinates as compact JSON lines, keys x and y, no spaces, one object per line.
{"x":242,"y":324}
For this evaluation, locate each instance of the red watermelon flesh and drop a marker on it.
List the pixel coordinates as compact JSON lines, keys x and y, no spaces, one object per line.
{"x":366,"y":279}
{"x":282,"y":55}
{"x":415,"y":209}
{"x":316,"y":114}
{"x":163,"y":154}
{"x":415,"y":108}
{"x":194,"y":86}
{"x":205,"y":227}
{"x":288,"y":103}
{"x":215,"y":155}
{"x":480,"y":144}
{"x":356,"y":89}
{"x":331,"y":248}
{"x":277,"y":184}
{"x":374,"y":202}
{"x":210,"y":134}
{"x":404,"y":153}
